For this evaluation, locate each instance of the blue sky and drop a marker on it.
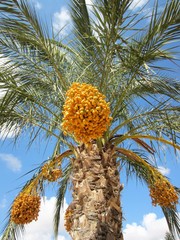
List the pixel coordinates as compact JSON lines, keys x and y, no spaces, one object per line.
{"x":142,"y":220}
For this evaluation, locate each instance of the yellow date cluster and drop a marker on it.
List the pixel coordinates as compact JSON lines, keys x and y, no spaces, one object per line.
{"x":25,"y":208}
{"x":67,"y":218}
{"x":51,"y":174}
{"x":163,"y":194}
{"x":86,"y":113}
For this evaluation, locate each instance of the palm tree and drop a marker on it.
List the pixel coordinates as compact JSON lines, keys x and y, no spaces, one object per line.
{"x":111,"y":57}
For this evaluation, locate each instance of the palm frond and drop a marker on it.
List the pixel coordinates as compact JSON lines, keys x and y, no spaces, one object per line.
{"x":12,"y":231}
{"x":81,"y":20}
{"x":173,"y":221}
{"x":163,"y":29}
{"x":137,"y":165}
{"x":22,"y":17}
{"x":130,"y":94}
{"x":98,"y":37}
{"x":122,"y":138}
{"x":33,"y":74}
{"x":158,"y":122}
{"x":169,"y":236}
{"x":34,"y":48}
{"x":60,"y":197}
{"x":152,"y":84}
{"x":146,"y":172}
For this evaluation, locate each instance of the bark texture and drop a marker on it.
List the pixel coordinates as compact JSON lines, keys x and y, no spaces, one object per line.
{"x":95,"y":212}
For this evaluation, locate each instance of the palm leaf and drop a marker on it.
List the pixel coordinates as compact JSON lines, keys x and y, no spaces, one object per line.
{"x":169,"y":236}
{"x":137,"y":165}
{"x":13,"y":231}
{"x":163,"y":29}
{"x":134,"y":137}
{"x":173,"y":221}
{"x":28,"y":80}
{"x":60,"y":197}
{"x":144,"y":171}
{"x":81,"y":20}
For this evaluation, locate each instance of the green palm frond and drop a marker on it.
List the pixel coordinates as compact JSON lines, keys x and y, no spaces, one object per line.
{"x":34,"y":48}
{"x":98,"y":37}
{"x":158,"y":124}
{"x":141,"y":168}
{"x":12,"y":231}
{"x":81,"y":20}
{"x":136,"y":163}
{"x":32,"y":82}
{"x":168,"y":236}
{"x":173,"y":221}
{"x":146,"y":172}
{"x":136,"y":136}
{"x":152,"y":84}
{"x":25,"y":106}
{"x":163,"y":29}
{"x":35,"y":40}
{"x":149,"y":90}
{"x":60,"y":197}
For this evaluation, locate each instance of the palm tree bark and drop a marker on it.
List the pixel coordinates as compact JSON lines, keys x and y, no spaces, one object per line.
{"x":95,"y":212}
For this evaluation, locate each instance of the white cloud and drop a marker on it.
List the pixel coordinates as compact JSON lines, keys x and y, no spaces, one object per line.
{"x":61,"y":20}
{"x":151,"y":228}
{"x":61,"y":238}
{"x":12,"y":162}
{"x":163,"y":170}
{"x":137,"y":4}
{"x":43,"y":227}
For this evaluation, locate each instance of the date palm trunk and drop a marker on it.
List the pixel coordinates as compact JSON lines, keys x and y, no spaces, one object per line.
{"x":95,"y":212}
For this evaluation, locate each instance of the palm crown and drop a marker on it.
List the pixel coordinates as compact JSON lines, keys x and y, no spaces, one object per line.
{"x":109,"y":51}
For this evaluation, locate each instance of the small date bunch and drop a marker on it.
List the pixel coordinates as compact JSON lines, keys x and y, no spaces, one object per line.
{"x":68,"y":218}
{"x":163,"y":193}
{"x":25,"y":208}
{"x":50,"y":173}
